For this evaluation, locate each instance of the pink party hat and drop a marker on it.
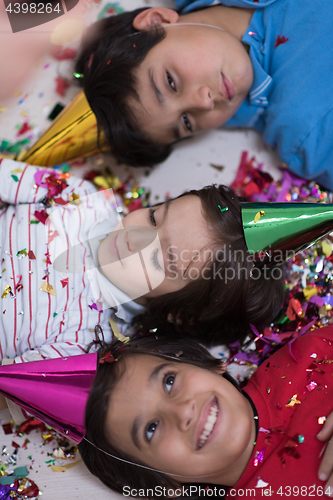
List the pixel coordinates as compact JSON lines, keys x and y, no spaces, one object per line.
{"x":54,"y":390}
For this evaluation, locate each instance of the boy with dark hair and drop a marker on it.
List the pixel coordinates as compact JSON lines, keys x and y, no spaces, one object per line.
{"x":259,"y":65}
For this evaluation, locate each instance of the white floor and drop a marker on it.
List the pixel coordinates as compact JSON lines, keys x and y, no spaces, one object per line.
{"x":30,"y":98}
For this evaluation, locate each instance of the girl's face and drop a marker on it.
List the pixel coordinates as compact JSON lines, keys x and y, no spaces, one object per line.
{"x":157,"y":250}
{"x":194,"y":80}
{"x":181,"y":419}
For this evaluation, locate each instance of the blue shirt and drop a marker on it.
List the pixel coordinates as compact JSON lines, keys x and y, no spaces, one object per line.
{"x":291,"y":98}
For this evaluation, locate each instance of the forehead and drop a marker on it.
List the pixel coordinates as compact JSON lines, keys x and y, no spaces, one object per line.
{"x":134,"y":374}
{"x":188,"y":217}
{"x":189,"y":205}
{"x":132,"y":391}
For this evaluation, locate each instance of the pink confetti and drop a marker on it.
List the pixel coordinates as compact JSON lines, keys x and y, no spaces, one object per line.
{"x":48,"y":260}
{"x":38,"y":177}
{"x":258,"y":459}
{"x":97,"y":306}
{"x":90,"y":60}
{"x":64,"y":283}
{"x":61,"y":54}
{"x":19,"y":285}
{"x":61,"y":86}
{"x":52,"y":235}
{"x":311,"y":386}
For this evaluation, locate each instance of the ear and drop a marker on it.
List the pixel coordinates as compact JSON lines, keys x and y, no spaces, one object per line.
{"x":156,"y":16}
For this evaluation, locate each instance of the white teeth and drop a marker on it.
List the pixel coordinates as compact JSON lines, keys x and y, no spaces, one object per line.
{"x":211,"y":418}
{"x":209,"y":425}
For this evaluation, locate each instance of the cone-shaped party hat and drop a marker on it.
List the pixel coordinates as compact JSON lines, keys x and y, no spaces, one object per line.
{"x":275,"y":232}
{"x":54,"y":390}
{"x":72,"y":135}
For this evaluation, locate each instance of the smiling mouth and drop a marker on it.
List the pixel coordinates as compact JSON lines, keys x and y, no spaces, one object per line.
{"x":209,"y":425}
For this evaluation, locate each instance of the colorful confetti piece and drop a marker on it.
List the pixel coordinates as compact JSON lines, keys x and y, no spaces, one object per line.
{"x":46,"y":287}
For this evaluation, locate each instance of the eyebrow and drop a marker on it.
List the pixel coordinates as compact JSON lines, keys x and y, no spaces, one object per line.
{"x":138,"y":420}
{"x":161,"y":101}
{"x":166,"y":209}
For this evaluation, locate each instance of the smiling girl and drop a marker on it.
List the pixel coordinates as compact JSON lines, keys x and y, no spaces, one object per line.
{"x":198,"y":270}
{"x":161,"y":403}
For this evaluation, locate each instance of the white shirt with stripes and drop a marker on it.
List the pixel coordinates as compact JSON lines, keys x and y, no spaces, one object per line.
{"x":38,"y":321}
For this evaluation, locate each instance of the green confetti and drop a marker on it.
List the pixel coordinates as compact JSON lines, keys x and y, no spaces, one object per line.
{"x":16,"y":147}
{"x":19,"y":473}
{"x":34,"y":221}
{"x":301,"y":438}
{"x":16,"y":179}
{"x":55,"y":314}
{"x":4,"y":145}
{"x":223,"y":209}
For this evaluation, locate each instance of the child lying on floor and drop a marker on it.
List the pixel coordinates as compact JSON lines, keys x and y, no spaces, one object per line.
{"x":241,"y":63}
{"x":160,"y":417}
{"x":67,"y":266}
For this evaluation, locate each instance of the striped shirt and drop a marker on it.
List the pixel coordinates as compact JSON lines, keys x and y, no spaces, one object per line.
{"x":45,"y":311}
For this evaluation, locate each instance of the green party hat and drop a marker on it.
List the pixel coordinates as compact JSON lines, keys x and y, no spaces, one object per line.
{"x":276,"y":232}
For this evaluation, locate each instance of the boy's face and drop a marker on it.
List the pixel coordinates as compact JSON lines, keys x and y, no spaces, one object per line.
{"x":159,"y":250}
{"x":193,"y":80}
{"x":181,"y":419}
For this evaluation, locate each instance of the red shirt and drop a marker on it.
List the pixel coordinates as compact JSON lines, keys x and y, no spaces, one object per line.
{"x":291,"y":391}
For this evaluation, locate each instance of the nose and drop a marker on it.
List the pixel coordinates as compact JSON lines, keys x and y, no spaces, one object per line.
{"x":140,"y":237}
{"x":181,"y":413}
{"x":199,"y":98}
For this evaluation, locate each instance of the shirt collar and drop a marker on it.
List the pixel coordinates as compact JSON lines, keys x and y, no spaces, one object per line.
{"x":257,"y":99}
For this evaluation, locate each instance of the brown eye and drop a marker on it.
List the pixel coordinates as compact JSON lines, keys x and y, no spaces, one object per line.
{"x":168,"y":381}
{"x":151,"y":428}
{"x":171,"y":81}
{"x":187,"y":122}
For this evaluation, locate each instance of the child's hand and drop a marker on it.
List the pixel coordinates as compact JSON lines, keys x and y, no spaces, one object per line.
{"x":325,"y":472}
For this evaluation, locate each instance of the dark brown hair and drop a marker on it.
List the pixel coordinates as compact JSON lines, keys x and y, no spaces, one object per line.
{"x":107,"y":60}
{"x":219,"y":306}
{"x":112,"y":472}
